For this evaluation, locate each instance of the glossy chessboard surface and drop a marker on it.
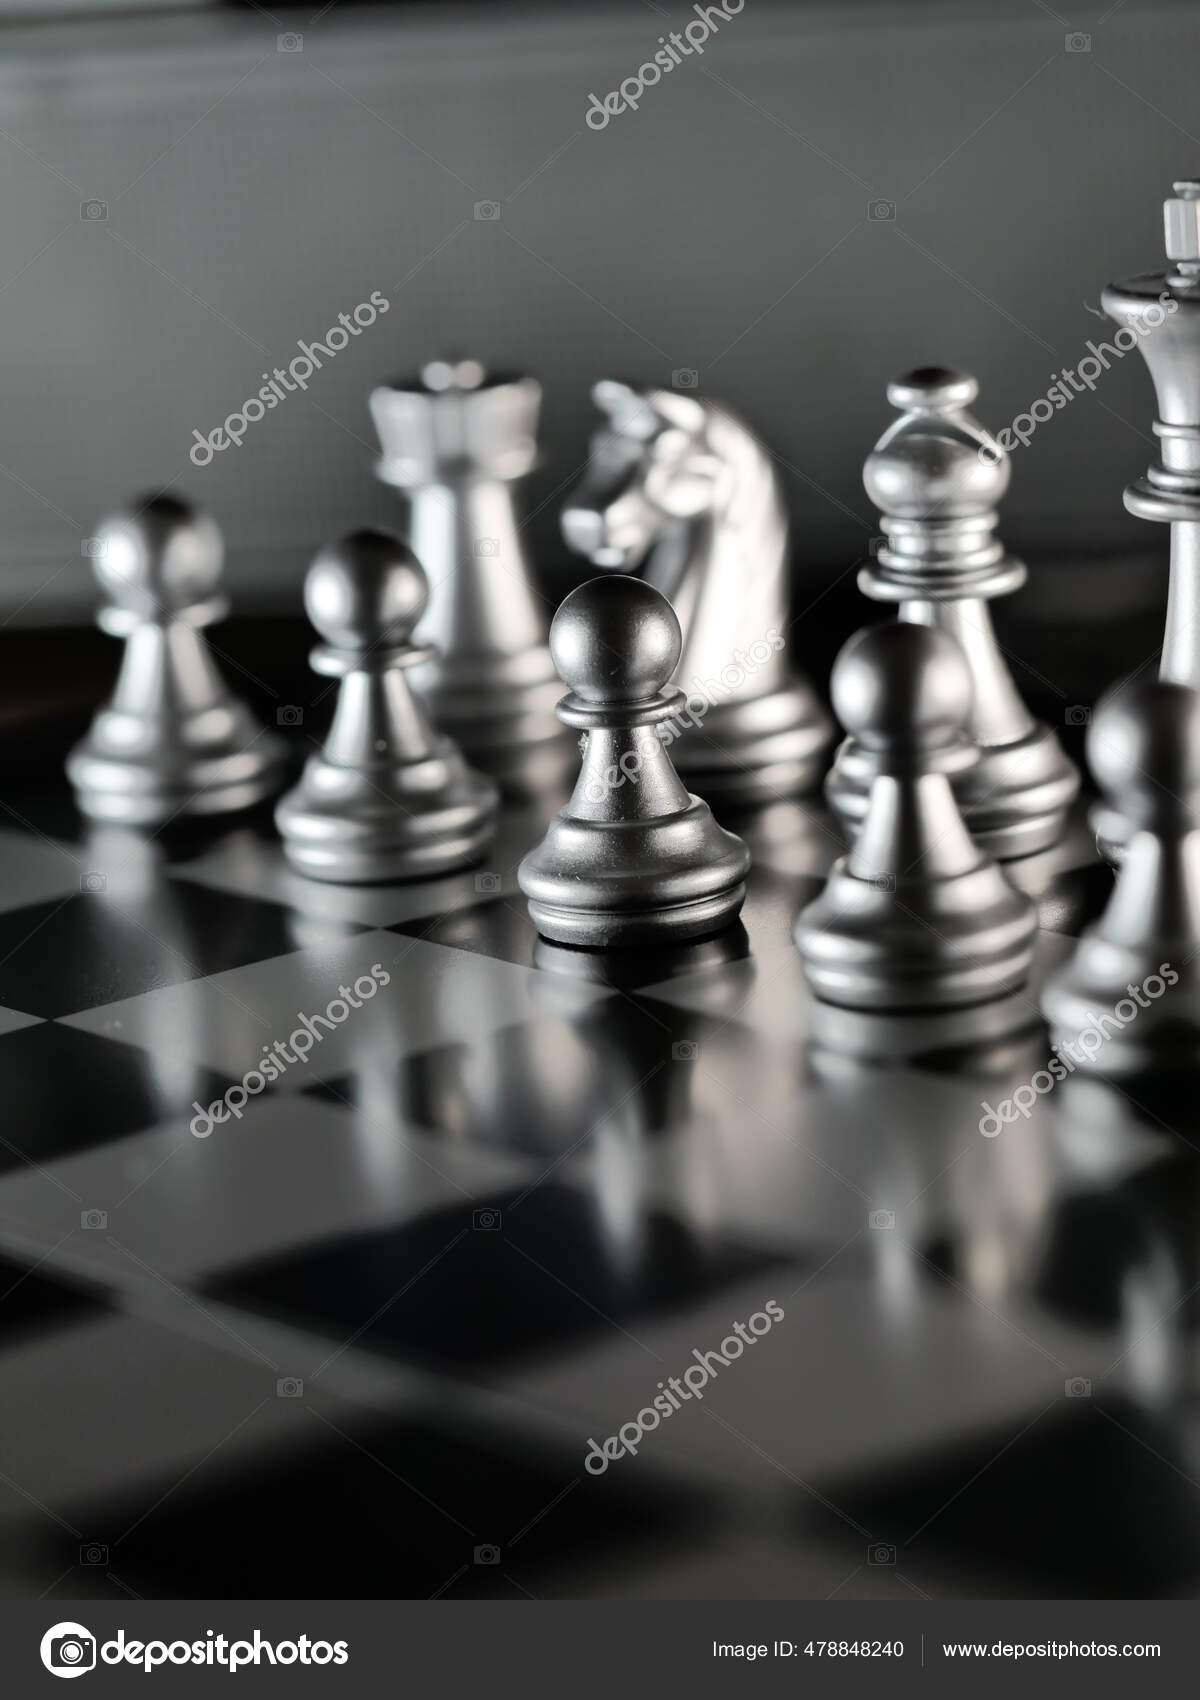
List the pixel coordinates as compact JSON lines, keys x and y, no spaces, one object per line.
{"x":356,"y":1338}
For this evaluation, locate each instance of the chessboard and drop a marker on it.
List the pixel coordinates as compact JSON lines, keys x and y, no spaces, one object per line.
{"x":356,"y":1337}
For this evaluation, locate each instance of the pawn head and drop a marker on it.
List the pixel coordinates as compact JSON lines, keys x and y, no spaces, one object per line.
{"x":902,"y":686}
{"x":1144,"y":749}
{"x":367,"y":590}
{"x":158,"y":556}
{"x":615,"y":640}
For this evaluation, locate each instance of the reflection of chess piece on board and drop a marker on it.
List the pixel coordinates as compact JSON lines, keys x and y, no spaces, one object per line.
{"x":918,"y":915}
{"x":679,"y":491}
{"x":936,"y":475}
{"x":632,"y":858}
{"x":455,"y":443}
{"x":173,"y":742}
{"x":387,"y":796}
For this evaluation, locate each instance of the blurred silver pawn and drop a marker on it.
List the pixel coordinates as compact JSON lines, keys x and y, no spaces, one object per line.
{"x":173,"y":741}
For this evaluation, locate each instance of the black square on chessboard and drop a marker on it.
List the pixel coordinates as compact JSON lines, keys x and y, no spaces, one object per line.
{"x":75,"y":953}
{"x":494,"y":1280}
{"x":67,"y":1091}
{"x":400,"y":1510}
{"x":1091,"y":1499}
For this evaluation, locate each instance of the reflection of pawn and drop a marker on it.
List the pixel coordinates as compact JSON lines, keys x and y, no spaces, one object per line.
{"x":387,"y":797}
{"x":174,"y":741}
{"x":1129,"y":998}
{"x":916,"y":916}
{"x":936,"y":476}
{"x":633,"y":857}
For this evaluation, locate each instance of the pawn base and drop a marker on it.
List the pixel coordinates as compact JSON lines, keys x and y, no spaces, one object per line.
{"x":599,"y":928}
{"x":171,"y":784}
{"x":1103,"y":1031}
{"x":878,"y":944}
{"x":598,"y":883}
{"x":351,"y":827}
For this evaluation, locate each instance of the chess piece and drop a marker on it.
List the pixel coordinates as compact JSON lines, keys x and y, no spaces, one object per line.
{"x":632,"y":859}
{"x":1159,"y":313}
{"x":455,"y":443}
{"x":937,"y":475}
{"x":1129,"y":997}
{"x":918,"y":915}
{"x":679,"y":491}
{"x":386,"y":797}
{"x":173,"y":741}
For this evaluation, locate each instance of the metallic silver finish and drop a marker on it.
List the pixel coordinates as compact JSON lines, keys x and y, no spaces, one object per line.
{"x":936,"y":475}
{"x":1102,"y":1006}
{"x":455,"y":442}
{"x":918,"y":915}
{"x":1162,"y":310}
{"x":173,"y":742}
{"x":632,"y":858}
{"x":386,"y":797}
{"x":679,"y":491}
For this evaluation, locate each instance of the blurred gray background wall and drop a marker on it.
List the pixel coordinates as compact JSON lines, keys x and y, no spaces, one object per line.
{"x":829,"y":194}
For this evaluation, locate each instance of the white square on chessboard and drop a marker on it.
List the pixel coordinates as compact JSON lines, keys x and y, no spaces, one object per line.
{"x":434,"y":996}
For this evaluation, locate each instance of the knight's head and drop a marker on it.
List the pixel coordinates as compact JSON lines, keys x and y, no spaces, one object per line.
{"x":651,"y":466}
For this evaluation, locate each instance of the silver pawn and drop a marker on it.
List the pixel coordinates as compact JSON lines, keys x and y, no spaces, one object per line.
{"x":173,"y":741}
{"x":918,"y":915}
{"x":455,"y":443}
{"x":1144,"y":750}
{"x":937,"y":475}
{"x":632,"y":858}
{"x":386,"y":797}
{"x":1160,"y":311}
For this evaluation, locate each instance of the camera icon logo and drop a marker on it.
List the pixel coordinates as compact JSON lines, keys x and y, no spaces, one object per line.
{"x":93,"y":1219}
{"x":881,"y":1220}
{"x":1078,"y":1387}
{"x":685,"y":378}
{"x":289,"y":1387}
{"x":289,"y":715}
{"x":882,"y":882}
{"x":487,"y":212}
{"x":487,"y":1554}
{"x":881,"y":210}
{"x":880,"y":1553}
{"x":486,"y":1221}
{"x":93,"y":881}
{"x":1076,"y":42}
{"x":487,"y":882}
{"x":93,"y":548}
{"x":289,"y":42}
{"x":1077,"y":715}
{"x":93,"y":1554}
{"x":68,"y":1649}
{"x":684,"y":1050}
{"x":90,"y":211}
{"x":487,"y":546}
{"x":874,"y":545}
